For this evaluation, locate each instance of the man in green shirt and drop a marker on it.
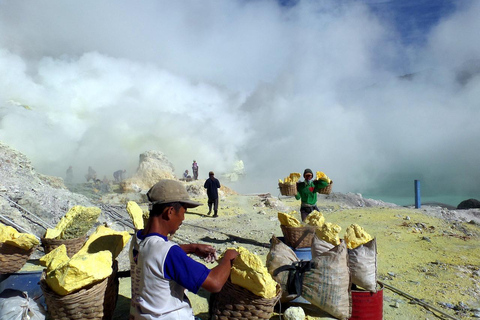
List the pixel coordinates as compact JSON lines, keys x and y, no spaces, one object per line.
{"x":307,"y":192}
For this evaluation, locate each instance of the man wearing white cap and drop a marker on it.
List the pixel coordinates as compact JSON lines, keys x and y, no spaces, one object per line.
{"x":163,"y":269}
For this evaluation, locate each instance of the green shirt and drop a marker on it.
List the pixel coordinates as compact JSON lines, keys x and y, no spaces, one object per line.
{"x":307,"y":191}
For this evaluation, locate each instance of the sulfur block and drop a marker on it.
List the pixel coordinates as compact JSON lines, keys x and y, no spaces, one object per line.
{"x":80,"y":271}
{"x":288,"y":219}
{"x":249,"y":272}
{"x":315,"y":219}
{"x":356,"y":236}
{"x":105,"y":238}
{"x":291,"y":179}
{"x":55,"y":258}
{"x":136,"y":214}
{"x":75,"y":223}
{"x":322,"y":176}
{"x":329,"y":232}
{"x":14,"y":238}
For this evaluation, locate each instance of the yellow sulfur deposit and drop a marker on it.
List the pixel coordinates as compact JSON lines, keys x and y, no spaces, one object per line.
{"x":288,"y":219}
{"x":322,"y":176}
{"x":249,"y":272}
{"x":80,"y":271}
{"x":76,"y":223}
{"x":14,"y":238}
{"x":329,"y":233}
{"x":355,"y":236}
{"x":291,"y":179}
{"x":136,"y":214}
{"x":315,"y":219}
{"x":105,"y":238}
{"x":54,"y":258}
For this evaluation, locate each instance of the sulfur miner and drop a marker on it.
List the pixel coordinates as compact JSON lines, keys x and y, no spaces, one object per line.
{"x":307,"y":193}
{"x":162,"y":269}
{"x":356,"y":236}
{"x":249,"y":272}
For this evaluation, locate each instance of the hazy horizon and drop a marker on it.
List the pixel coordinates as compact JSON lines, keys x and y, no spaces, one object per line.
{"x":374,"y":93}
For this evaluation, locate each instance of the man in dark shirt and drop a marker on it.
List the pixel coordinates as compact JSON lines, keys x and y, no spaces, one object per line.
{"x":212,"y":184}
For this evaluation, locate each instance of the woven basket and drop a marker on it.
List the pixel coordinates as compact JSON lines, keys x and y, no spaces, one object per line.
{"x":287,"y":189}
{"x":73,"y":245}
{"x":13,"y":258}
{"x":96,"y":301}
{"x":236,"y":303}
{"x":298,"y":237}
{"x":327,"y":189}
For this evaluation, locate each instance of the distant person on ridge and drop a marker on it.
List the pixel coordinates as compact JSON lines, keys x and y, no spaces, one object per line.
{"x":91,"y":174}
{"x":69,"y":178}
{"x":186,"y":176}
{"x":195,"y":170}
{"x":119,"y":175}
{"x":307,"y":192}
{"x":212,"y":184}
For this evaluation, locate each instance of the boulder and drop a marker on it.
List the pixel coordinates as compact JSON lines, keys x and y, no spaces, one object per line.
{"x":153,"y":166}
{"x":469,"y":204}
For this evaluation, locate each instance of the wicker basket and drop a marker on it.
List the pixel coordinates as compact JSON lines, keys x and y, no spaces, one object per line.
{"x":96,"y":301}
{"x":73,"y":245}
{"x":298,"y":237}
{"x":287,"y":189}
{"x":327,"y":189}
{"x":13,"y":258}
{"x":236,"y":303}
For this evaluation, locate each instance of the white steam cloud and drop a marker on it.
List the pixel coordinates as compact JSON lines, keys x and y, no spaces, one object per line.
{"x":318,"y":84}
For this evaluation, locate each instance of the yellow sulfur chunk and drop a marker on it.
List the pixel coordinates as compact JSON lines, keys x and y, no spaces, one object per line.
{"x":329,"y":233}
{"x":355,"y":236}
{"x":14,"y":238}
{"x":76,"y":223}
{"x":322,"y":176}
{"x":80,"y":271}
{"x":24,"y":241}
{"x":7,"y":233}
{"x":291,"y":179}
{"x":55,"y":258}
{"x":249,"y":272}
{"x":136,"y":214}
{"x":315,"y":219}
{"x":288,"y":219}
{"x":105,"y":238}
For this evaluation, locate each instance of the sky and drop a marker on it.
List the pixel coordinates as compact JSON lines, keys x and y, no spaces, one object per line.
{"x":374,"y":93}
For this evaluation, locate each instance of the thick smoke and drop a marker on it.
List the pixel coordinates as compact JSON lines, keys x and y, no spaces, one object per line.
{"x":330,"y":85}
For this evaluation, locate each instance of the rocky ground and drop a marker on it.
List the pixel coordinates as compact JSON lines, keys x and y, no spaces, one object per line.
{"x":429,"y":256}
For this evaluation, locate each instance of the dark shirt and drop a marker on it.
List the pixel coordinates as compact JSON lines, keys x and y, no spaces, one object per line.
{"x":212,"y":186}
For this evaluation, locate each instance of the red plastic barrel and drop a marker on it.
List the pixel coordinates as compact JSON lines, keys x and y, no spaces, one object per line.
{"x":367,"y":305}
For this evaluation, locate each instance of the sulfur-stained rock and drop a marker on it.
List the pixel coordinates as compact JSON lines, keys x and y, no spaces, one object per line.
{"x":249,"y":272}
{"x":288,"y":219}
{"x":76,"y":223}
{"x":55,"y":258}
{"x":356,"y":236}
{"x":315,"y":219}
{"x":329,"y":232}
{"x":105,"y":238}
{"x":80,"y":271}
{"x":136,"y":214}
